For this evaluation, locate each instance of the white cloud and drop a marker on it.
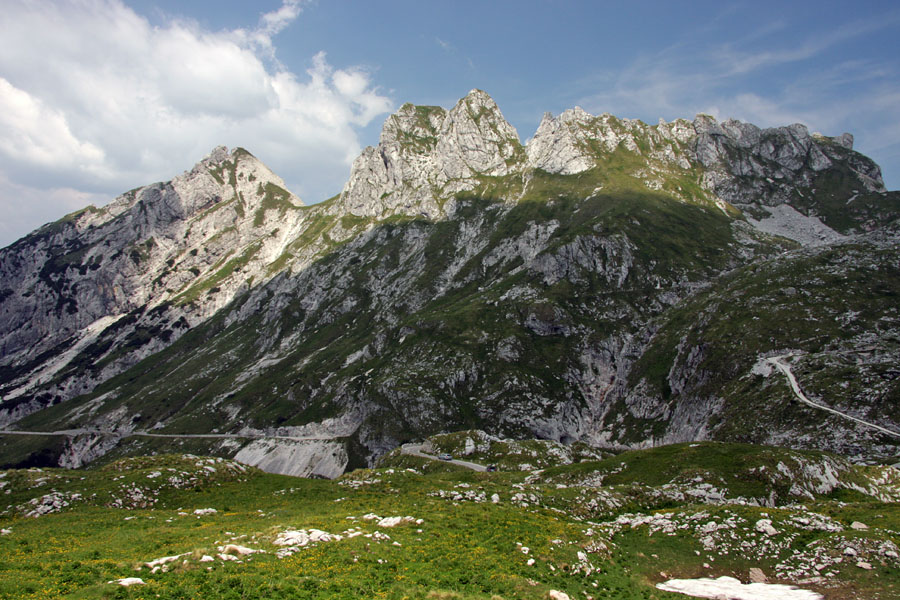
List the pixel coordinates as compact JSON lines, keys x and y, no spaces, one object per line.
{"x":94,"y":98}
{"x":39,"y":134}
{"x":274,"y":22}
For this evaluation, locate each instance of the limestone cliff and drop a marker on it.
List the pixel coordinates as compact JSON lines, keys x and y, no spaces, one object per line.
{"x":427,"y":155}
{"x":148,"y":266}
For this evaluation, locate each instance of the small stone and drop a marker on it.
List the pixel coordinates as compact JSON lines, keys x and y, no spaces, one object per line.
{"x":858,"y":526}
{"x":557,"y":595}
{"x":848,"y":551}
{"x":530,"y":562}
{"x":765,"y":526}
{"x":710,"y":527}
{"x":864,"y":565}
{"x":757,"y":576}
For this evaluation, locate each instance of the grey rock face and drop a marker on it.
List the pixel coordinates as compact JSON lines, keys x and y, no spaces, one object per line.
{"x":557,"y":145}
{"x":296,"y":458}
{"x":735,"y":163}
{"x":575,"y":141}
{"x":427,"y":154}
{"x":140,"y":264}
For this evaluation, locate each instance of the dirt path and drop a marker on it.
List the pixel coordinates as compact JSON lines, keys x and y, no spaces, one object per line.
{"x":784,"y":368}
{"x":416,"y":450}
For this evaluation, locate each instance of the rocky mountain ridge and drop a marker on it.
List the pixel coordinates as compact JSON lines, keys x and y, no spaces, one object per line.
{"x":461,"y":279}
{"x":144,"y":258}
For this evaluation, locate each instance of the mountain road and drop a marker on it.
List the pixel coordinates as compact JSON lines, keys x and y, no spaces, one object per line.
{"x":416,"y":450}
{"x":782,"y":366}
{"x":125,"y":434}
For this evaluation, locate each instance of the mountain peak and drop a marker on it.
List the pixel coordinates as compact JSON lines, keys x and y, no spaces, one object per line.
{"x":477,"y":94}
{"x":427,"y":153}
{"x":218,"y":155}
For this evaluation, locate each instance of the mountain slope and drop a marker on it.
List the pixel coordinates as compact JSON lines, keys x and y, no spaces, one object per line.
{"x":135,"y":274}
{"x":832,"y":309}
{"x":462,"y":280}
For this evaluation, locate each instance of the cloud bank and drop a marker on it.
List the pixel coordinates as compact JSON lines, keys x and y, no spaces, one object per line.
{"x":94,"y":100}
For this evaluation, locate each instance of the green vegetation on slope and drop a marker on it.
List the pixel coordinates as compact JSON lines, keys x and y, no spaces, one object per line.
{"x":834,"y":307}
{"x":436,"y":325}
{"x":468,"y":536}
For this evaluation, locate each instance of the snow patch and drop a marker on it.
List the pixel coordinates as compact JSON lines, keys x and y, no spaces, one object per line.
{"x":729,"y":587}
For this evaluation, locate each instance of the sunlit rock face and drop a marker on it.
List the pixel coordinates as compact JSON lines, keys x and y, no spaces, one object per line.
{"x":128,"y":265}
{"x":428,"y":154}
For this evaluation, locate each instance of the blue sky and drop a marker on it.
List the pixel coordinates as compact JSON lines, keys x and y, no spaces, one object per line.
{"x":100,"y":96}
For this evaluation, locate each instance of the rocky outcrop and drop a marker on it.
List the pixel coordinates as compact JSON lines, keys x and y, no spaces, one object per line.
{"x":427,"y":155}
{"x":576,"y":141}
{"x":768,"y":173}
{"x":298,"y":458}
{"x":81,"y":450}
{"x":746,"y":165}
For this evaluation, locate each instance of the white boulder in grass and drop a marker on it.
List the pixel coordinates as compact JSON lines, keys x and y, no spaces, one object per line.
{"x":236,"y":549}
{"x":292,"y":537}
{"x":127,"y":581}
{"x":164,"y":560}
{"x":394,"y":521}
{"x":765,"y":526}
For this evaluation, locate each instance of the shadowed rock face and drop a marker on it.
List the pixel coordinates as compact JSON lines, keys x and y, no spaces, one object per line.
{"x":459,"y":280}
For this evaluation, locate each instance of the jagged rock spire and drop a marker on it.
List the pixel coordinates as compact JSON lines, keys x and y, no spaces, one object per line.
{"x":427,"y":154}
